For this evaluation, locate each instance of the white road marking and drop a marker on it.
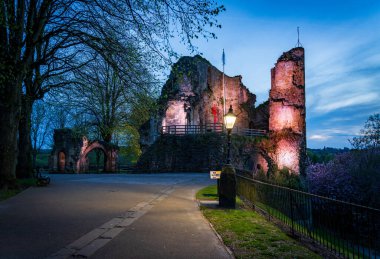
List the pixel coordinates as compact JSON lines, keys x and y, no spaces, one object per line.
{"x":89,"y":243}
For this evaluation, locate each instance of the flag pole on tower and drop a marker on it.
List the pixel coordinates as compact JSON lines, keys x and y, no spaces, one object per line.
{"x":224,"y":88}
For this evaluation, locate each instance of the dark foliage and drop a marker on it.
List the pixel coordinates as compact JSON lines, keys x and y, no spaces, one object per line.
{"x":353,"y":177}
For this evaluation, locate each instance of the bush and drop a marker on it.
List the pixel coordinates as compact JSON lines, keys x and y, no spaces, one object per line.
{"x":281,"y":177}
{"x":353,"y":177}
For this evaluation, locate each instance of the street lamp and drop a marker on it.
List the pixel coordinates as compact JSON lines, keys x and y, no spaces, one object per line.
{"x":227,"y":186}
{"x":229,"y":121}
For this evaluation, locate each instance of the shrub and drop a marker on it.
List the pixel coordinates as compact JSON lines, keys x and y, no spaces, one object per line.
{"x":281,"y":177}
{"x":353,"y":177}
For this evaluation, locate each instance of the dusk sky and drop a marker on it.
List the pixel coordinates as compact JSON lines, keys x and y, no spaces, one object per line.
{"x":342,"y":51}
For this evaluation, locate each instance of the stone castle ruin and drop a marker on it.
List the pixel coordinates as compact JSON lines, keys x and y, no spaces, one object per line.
{"x":70,"y":153}
{"x":191,"y":103}
{"x":287,"y":111}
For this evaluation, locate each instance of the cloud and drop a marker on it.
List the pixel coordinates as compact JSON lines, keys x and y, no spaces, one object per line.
{"x":344,"y":101}
{"x":319,"y":137}
{"x":342,"y":59}
{"x":346,"y":131}
{"x":332,"y":136}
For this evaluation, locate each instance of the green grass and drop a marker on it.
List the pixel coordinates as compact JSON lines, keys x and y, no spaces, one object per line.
{"x":248,"y":234}
{"x":23,"y":183}
{"x":42,"y":159}
{"x":208,"y":193}
{"x":6,"y":194}
{"x":318,"y":235}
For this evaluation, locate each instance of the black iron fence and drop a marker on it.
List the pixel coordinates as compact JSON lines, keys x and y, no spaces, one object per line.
{"x":347,"y":230}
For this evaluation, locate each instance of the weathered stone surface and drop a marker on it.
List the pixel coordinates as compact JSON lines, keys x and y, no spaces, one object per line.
{"x":227,"y":187}
{"x":287,"y":112}
{"x":65,"y":151}
{"x":70,"y":153}
{"x":193,"y":95}
{"x":189,"y":153}
{"x":259,"y":117}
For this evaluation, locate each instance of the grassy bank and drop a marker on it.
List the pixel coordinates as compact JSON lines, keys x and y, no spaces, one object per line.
{"x":22,"y":183}
{"x":248,"y":234}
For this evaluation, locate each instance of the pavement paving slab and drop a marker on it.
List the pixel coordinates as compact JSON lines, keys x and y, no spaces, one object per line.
{"x":173,"y":229}
{"x":109,"y":216}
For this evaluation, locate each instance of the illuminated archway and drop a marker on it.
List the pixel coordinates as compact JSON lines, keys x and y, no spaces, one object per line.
{"x":110,"y":156}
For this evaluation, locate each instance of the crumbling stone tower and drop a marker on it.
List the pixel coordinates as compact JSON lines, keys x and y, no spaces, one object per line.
{"x":65,"y":151}
{"x":287,"y":111}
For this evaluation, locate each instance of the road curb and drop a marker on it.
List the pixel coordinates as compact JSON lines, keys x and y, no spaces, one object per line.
{"x":215,"y":232}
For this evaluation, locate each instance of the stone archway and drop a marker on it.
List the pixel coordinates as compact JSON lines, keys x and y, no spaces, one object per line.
{"x":110,"y":155}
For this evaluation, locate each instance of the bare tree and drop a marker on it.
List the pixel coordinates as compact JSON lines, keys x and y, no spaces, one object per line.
{"x":40,"y":128}
{"x":39,"y":39}
{"x":105,"y":96}
{"x":370,"y":135}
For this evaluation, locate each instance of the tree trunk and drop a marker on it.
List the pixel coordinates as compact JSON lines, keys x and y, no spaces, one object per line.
{"x":24,"y":161}
{"x":107,"y":137}
{"x":9,"y":117}
{"x":34,"y":158}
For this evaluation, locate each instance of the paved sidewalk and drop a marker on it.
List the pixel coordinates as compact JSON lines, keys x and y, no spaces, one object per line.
{"x":175,"y":228}
{"x":109,"y":216}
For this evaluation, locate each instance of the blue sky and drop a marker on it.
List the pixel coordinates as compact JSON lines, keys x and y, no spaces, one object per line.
{"x":342,"y":46}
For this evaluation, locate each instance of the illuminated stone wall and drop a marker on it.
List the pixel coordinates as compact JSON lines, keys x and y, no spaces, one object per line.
{"x":287,"y":111}
{"x":193,"y":95}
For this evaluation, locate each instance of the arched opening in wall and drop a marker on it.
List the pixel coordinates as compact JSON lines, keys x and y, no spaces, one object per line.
{"x":251,"y":125}
{"x":61,"y":161}
{"x":96,"y":160}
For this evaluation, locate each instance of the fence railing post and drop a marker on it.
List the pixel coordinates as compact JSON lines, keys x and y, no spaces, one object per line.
{"x":291,"y":211}
{"x":346,"y":229}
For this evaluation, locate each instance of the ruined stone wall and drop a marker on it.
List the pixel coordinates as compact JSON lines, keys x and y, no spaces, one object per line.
{"x":236,"y":94}
{"x":287,"y":111}
{"x":193,"y":95}
{"x":188,"y":153}
{"x":259,"y":117}
{"x":200,"y":153}
{"x":69,"y":145}
{"x":70,"y":153}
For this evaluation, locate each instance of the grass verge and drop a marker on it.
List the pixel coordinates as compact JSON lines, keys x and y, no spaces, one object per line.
{"x":248,"y":234}
{"x":22,"y":183}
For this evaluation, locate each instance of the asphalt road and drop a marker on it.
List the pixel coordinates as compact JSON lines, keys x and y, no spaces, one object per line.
{"x":109,"y":216}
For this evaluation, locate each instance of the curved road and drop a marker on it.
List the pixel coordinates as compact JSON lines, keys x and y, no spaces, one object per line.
{"x":109,"y":216}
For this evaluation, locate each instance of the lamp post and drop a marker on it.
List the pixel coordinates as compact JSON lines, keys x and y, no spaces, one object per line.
{"x":229,"y":121}
{"x":227,"y":186}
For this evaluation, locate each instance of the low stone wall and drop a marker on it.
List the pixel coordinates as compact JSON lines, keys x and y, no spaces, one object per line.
{"x":189,"y":153}
{"x":201,"y":153}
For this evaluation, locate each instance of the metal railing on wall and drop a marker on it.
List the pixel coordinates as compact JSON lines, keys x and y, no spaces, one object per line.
{"x":207,"y":128}
{"x":347,"y":230}
{"x":192,"y":129}
{"x":249,"y":132}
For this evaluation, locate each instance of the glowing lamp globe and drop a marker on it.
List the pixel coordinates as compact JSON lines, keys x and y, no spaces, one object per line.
{"x":229,"y":119}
